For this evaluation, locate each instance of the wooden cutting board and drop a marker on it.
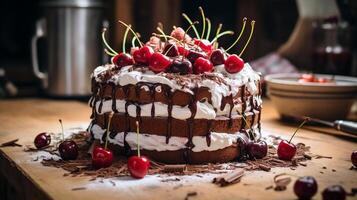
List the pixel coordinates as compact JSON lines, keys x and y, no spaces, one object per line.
{"x":24,"y":118}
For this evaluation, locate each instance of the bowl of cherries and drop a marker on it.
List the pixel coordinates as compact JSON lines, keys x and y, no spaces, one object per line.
{"x":326,"y":97}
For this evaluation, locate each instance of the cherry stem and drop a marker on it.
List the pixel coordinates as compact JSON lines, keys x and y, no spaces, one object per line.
{"x":108,"y":127}
{"x":302,"y":124}
{"x":124,"y":39}
{"x":240,"y":34}
{"x":162,"y":33}
{"x":217,"y":32}
{"x":186,"y":31}
{"x":158,"y":35}
{"x":132,"y":31}
{"x":169,"y":50}
{"x":222,"y":34}
{"x":137,"y":137}
{"x":109,"y":53}
{"x":250,"y":36}
{"x":106,"y":43}
{"x":208,"y":28}
{"x":203,"y":22}
{"x":133,"y":41}
{"x":60,"y":121}
{"x":190,"y":22}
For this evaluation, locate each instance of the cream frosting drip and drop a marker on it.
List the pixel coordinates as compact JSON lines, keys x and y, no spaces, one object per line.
{"x":247,"y":76}
{"x":158,"y":143}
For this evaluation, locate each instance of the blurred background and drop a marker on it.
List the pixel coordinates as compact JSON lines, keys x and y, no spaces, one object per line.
{"x":49,"y":48}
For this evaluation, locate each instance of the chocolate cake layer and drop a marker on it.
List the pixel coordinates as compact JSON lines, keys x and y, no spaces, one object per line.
{"x":180,"y":128}
{"x":185,"y":156}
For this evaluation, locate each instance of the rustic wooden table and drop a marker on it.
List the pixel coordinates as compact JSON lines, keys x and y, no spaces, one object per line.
{"x":23,"y":178}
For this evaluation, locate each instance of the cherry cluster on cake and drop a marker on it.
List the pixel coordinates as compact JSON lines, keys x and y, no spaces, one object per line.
{"x":178,"y":52}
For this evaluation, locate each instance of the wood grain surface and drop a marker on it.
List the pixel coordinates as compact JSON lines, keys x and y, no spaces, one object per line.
{"x":24,"y":118}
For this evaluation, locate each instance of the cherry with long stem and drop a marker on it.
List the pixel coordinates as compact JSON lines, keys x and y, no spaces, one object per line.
{"x":190,"y":22}
{"x":62,"y":133}
{"x":300,"y":126}
{"x":203,"y":22}
{"x":250,"y":36}
{"x":217,"y":32}
{"x":240,"y":34}
{"x":134,"y":39}
{"x":106,"y":43}
{"x":221,"y":34}
{"x":132,"y":31}
{"x":162,"y":33}
{"x":124,"y":39}
{"x":208,"y":28}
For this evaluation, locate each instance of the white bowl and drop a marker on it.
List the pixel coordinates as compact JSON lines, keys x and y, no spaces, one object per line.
{"x":328,"y":101}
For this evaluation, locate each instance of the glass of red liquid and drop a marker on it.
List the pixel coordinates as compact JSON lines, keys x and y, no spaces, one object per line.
{"x":332,"y":52}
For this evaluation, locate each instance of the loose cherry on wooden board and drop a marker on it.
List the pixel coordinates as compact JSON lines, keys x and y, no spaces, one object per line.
{"x":286,"y":149}
{"x":142,"y":55}
{"x":202,"y":65}
{"x":334,"y":192}
{"x":122,"y":59}
{"x":103,"y":157}
{"x":354,"y":158}
{"x":257,"y":149}
{"x":138,"y":165}
{"x":68,"y":149}
{"x":42,"y":140}
{"x":305,"y":187}
{"x":159,"y":62}
{"x":233,"y":64}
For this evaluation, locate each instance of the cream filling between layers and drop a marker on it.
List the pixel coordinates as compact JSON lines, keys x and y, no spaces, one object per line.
{"x":158,"y":143}
{"x":204,"y":110}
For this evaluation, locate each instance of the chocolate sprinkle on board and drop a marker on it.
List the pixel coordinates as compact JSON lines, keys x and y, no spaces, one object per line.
{"x":190,"y":194}
{"x":11,"y":143}
{"x":82,"y":166}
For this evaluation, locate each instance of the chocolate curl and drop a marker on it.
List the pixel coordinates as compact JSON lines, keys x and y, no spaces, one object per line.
{"x":229,"y":178}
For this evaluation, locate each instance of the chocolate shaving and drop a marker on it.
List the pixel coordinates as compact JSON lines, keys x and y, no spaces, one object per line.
{"x":320,"y":156}
{"x":190,"y":194}
{"x":174,"y":168}
{"x":264,"y":167}
{"x":79,"y":188}
{"x":229,"y":178}
{"x":11,"y":143}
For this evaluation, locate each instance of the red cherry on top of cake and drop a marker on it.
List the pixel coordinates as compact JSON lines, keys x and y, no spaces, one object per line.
{"x":122,"y":59}
{"x":233,"y":64}
{"x":159,"y":62}
{"x":202,"y":65}
{"x":217,"y":57}
{"x":102,"y":157}
{"x":142,"y":55}
{"x":138,"y":166}
{"x":205,"y":45}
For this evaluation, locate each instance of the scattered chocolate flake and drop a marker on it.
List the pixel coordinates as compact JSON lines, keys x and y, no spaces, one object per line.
{"x":83,"y":167}
{"x":320,"y":156}
{"x":112,"y":182}
{"x":79,"y":188}
{"x":229,"y":178}
{"x":333,"y":170}
{"x":269,"y":187}
{"x":324,"y":167}
{"x":281,"y":183}
{"x":170,"y":180}
{"x":303,"y":164}
{"x":11,"y":143}
{"x":307,"y":156}
{"x":174,"y":168}
{"x":190,"y":194}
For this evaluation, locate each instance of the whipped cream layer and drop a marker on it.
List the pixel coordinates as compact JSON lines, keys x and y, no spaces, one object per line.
{"x":232,"y":82}
{"x":158,"y":143}
{"x":204,"y":110}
